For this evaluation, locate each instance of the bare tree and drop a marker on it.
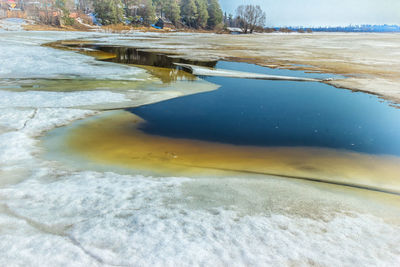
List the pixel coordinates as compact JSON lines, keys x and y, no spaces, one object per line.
{"x":250,"y":17}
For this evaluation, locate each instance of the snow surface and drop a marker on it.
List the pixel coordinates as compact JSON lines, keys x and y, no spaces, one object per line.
{"x":12,"y":24}
{"x":124,"y":220}
{"x":21,"y":58}
{"x":52,"y":215}
{"x":57,"y":99}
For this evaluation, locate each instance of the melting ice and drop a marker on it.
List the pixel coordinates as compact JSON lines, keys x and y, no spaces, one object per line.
{"x":54,"y":215}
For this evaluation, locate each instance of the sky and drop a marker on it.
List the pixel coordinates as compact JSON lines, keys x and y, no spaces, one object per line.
{"x":323,"y":12}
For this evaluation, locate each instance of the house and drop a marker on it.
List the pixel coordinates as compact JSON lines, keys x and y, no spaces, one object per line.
{"x":233,"y":30}
{"x":164,"y":23}
{"x":9,"y":4}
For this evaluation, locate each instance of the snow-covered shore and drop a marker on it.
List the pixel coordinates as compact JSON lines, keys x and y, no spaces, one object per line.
{"x":53,"y":215}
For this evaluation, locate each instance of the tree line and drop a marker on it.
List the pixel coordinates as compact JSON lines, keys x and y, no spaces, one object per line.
{"x":198,"y":14}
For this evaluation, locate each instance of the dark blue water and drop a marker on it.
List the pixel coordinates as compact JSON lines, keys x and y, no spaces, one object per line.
{"x":258,"y":69}
{"x":278,"y":113}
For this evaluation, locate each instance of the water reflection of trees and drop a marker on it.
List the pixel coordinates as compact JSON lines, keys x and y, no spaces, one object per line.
{"x":168,"y":75}
{"x":159,"y":65}
{"x":128,"y":55}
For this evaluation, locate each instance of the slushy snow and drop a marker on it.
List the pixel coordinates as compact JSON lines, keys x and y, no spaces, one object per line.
{"x":12,"y":24}
{"x":124,"y":221}
{"x":57,"y":99}
{"x":52,"y":215}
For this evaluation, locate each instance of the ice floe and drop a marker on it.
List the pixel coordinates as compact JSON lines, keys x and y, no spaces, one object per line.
{"x":203,"y":71}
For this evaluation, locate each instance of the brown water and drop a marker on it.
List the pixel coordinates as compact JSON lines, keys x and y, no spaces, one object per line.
{"x":116,"y":139}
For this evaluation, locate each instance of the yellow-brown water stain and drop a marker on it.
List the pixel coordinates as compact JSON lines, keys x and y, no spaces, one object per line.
{"x":115,"y":139}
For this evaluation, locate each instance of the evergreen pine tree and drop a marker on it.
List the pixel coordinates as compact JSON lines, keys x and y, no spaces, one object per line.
{"x":148,"y":12}
{"x":159,"y":6}
{"x":108,"y":11}
{"x":230,"y":21}
{"x":66,"y":20}
{"x":172,"y":11}
{"x":189,"y":12}
{"x":202,"y":13}
{"x":215,"y":13}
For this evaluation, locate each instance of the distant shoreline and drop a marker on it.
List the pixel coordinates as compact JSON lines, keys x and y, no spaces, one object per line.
{"x":121,"y":28}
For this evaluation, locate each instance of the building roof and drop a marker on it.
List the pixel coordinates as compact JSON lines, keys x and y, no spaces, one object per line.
{"x":233,"y":29}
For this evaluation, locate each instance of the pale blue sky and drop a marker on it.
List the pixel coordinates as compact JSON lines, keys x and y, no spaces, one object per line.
{"x":323,"y":12}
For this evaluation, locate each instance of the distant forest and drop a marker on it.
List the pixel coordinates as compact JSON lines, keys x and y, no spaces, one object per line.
{"x":350,"y":28}
{"x":199,"y":14}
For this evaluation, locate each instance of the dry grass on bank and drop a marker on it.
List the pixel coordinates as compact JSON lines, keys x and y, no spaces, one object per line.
{"x":44,"y":27}
{"x":121,"y":28}
{"x":114,"y":28}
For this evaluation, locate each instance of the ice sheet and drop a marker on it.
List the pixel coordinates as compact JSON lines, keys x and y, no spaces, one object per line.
{"x":203,"y":71}
{"x":22,"y":57}
{"x":58,"y":99}
{"x":12,"y":24}
{"x":134,"y":220}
